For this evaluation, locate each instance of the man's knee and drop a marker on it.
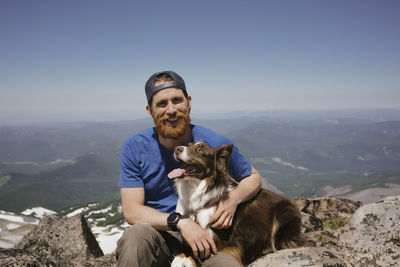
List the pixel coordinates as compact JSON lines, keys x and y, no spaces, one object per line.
{"x":138,"y":233}
{"x":142,"y":245}
{"x":139,"y":238}
{"x":222,"y":259}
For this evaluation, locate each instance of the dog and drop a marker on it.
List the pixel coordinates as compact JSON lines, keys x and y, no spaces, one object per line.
{"x":266,"y":223}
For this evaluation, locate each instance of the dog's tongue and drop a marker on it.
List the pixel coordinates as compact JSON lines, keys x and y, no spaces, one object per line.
{"x":177,"y":173}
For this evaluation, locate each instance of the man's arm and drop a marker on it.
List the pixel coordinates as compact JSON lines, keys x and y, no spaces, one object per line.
{"x":136,"y":212}
{"x":246,"y":189}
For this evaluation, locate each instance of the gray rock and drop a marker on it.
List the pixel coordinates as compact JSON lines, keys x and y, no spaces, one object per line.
{"x":108,"y":260}
{"x":327,"y":208}
{"x":310,"y":223}
{"x":61,"y":241}
{"x":15,"y":257}
{"x":312,"y":256}
{"x":372,"y":236}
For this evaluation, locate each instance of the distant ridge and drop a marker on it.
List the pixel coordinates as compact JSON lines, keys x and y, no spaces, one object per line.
{"x":91,"y":178}
{"x":298,"y":153}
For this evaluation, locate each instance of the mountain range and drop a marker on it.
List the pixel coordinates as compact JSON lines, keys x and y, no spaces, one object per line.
{"x":300,"y":153}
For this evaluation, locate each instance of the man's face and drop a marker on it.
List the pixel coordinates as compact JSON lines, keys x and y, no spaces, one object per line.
{"x":170,"y":111}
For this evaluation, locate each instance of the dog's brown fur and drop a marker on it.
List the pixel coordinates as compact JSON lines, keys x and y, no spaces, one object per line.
{"x":266,"y":223}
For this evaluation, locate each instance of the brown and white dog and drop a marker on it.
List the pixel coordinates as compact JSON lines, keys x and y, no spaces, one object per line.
{"x":266,"y":223}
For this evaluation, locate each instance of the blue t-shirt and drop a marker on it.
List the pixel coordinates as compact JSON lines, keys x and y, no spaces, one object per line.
{"x":146,"y":163}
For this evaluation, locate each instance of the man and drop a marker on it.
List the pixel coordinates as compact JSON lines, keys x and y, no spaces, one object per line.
{"x":148,"y":196}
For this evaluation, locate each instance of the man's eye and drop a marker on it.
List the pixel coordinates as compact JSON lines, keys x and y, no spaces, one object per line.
{"x":177,"y":100}
{"x":162,"y":104}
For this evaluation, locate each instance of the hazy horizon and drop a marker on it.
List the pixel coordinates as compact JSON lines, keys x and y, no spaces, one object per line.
{"x":89,"y":60}
{"x":44,"y":117}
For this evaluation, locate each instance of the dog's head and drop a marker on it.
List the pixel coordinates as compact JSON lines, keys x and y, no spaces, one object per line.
{"x":201,"y":161}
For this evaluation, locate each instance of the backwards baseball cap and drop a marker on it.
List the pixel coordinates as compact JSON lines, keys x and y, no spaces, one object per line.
{"x":177,"y":82}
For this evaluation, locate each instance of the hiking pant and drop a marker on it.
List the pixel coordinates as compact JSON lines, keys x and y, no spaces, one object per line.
{"x":143,"y":246}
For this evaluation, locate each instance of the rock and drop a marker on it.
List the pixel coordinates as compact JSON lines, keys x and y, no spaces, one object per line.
{"x":316,"y":210}
{"x":316,"y":257}
{"x":61,"y":241}
{"x":310,"y":223}
{"x":108,"y":260}
{"x":337,"y":237}
{"x":327,"y":208}
{"x":372,"y":236}
{"x":15,"y":257}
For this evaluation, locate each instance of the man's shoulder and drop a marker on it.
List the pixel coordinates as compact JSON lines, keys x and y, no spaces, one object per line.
{"x":143,"y":138}
{"x":209,"y":136}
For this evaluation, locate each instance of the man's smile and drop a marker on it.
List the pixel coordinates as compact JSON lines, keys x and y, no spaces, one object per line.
{"x":173,"y":121}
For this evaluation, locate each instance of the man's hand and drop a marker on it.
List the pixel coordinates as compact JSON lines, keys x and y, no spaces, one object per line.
{"x":224,"y":214}
{"x":199,"y":240}
{"x":246,"y":189}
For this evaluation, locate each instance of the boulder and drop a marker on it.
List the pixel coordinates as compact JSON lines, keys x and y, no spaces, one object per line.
{"x":316,"y":257}
{"x":15,"y":257}
{"x":108,"y":260}
{"x":372,"y":236}
{"x":327,"y":208}
{"x":60,"y":241}
{"x":310,"y":223}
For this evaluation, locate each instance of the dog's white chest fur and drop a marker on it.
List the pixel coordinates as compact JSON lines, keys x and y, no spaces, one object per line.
{"x":192,"y":200}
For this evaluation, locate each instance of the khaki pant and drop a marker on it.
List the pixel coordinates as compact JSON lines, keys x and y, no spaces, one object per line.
{"x":142,"y":246}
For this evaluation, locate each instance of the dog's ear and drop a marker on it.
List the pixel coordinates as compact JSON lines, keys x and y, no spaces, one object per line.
{"x":192,"y":143}
{"x":223,"y":156}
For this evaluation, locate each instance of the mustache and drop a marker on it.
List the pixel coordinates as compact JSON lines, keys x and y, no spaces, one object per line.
{"x":166,"y":117}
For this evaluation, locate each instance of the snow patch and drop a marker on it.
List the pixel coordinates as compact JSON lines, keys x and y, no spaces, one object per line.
{"x":11,"y":218}
{"x":76,"y":212}
{"x":285,"y":163}
{"x":38,"y":212}
{"x":100,"y":211}
{"x":107,"y":237}
{"x":12,"y":226}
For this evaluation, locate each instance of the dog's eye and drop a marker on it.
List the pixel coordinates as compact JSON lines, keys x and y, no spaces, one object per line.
{"x":200,"y":149}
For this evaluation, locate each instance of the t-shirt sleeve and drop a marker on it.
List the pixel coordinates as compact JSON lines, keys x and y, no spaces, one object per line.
{"x":130,"y":174}
{"x":238,"y":167}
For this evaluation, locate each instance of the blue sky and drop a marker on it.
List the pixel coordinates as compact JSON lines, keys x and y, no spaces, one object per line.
{"x":82,"y":60}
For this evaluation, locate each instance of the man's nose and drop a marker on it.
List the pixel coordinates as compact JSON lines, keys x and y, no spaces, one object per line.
{"x":171,"y":108}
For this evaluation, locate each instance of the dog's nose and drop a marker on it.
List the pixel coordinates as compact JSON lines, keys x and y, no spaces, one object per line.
{"x":178,"y":149}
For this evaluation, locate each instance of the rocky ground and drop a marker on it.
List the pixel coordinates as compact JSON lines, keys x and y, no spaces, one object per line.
{"x":340,"y":232}
{"x":344,"y":233}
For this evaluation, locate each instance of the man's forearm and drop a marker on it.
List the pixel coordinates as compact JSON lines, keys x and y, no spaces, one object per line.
{"x":247,"y":188}
{"x":136,"y":212}
{"x":147,"y":215}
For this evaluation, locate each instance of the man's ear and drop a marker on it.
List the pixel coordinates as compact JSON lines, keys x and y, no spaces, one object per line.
{"x":149,"y":110}
{"x":190,"y":102}
{"x":223,"y":155}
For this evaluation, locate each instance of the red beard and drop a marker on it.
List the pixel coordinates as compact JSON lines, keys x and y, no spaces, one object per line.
{"x":168,"y":131}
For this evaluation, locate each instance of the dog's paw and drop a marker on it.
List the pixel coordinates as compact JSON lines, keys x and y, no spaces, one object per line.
{"x":183,"y":261}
